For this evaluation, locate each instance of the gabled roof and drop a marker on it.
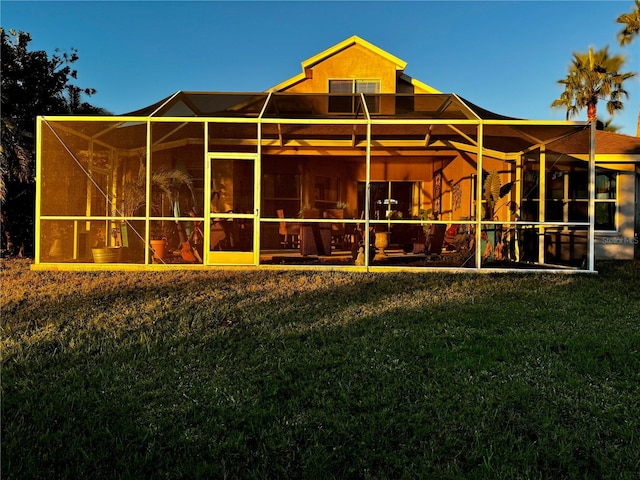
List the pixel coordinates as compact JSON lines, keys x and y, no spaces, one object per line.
{"x":354,"y":40}
{"x":349,"y":42}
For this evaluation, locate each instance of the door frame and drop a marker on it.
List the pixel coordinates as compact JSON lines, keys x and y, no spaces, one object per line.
{"x":231,"y":257}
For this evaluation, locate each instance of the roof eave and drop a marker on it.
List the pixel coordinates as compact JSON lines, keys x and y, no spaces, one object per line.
{"x":354,"y":40}
{"x":287,"y":83}
{"x":418,"y":83}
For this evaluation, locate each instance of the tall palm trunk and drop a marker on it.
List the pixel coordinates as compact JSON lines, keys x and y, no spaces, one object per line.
{"x":591,"y":111}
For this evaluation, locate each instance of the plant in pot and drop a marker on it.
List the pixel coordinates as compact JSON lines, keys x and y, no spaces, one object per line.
{"x":493,"y":191}
{"x":165,"y":186}
{"x":343,"y":207}
{"x":164,"y":182}
{"x":422,"y":234}
{"x":109,"y":250}
{"x":427,"y":216}
{"x":337,"y":212}
{"x":158,"y":240}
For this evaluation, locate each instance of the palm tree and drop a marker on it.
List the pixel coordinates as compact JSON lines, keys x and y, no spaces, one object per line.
{"x":163,"y":182}
{"x":607,"y":126}
{"x":631,"y":23}
{"x":593,"y":76}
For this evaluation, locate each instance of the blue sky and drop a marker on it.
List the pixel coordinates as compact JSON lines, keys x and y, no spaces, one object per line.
{"x":505,"y":56}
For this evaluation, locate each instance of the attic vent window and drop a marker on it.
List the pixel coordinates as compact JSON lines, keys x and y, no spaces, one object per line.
{"x":349,"y":102}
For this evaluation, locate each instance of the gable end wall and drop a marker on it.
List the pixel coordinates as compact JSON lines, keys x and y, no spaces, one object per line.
{"x":353,"y":62}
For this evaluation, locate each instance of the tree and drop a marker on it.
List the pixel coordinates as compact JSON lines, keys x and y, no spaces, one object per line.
{"x":593,"y":76}
{"x":631,"y":22}
{"x":32,"y":84}
{"x":606,"y":125}
{"x":73,"y":102}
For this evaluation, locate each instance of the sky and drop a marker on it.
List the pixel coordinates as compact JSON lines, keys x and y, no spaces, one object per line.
{"x":505,"y":56}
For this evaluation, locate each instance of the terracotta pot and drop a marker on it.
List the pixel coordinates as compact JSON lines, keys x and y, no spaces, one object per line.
{"x":159,"y":248}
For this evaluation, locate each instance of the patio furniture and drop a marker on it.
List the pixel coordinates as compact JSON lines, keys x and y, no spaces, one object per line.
{"x":315,"y":237}
{"x":289,"y":231}
{"x":337,"y":229}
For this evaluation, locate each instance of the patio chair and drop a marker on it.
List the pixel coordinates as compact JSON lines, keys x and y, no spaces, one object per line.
{"x":289,"y":231}
{"x":337,"y":229}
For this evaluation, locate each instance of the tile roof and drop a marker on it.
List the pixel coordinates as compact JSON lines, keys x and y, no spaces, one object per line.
{"x":609,"y":142}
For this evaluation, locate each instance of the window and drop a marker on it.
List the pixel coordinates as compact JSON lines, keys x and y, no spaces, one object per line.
{"x":606,"y":200}
{"x":280,"y":191}
{"x":395,"y":200}
{"x":326,"y":192}
{"x":568,"y":197}
{"x":349,"y":103}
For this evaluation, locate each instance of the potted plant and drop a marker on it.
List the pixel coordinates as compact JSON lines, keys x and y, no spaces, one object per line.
{"x":158,"y":240}
{"x":493,"y":191}
{"x":425,"y":215}
{"x":420,"y":238}
{"x":114,"y":253}
{"x":164,"y":183}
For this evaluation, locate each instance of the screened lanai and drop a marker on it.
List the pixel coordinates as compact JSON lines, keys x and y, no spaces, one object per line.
{"x":344,"y":181}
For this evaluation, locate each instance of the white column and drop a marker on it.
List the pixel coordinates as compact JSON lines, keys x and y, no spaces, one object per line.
{"x":592,"y":196}
{"x":542,"y":202}
{"x":479,"y":197}
{"x":147,"y":210}
{"x":206,"y":247}
{"x":38,"y":180}
{"x":257,"y":171}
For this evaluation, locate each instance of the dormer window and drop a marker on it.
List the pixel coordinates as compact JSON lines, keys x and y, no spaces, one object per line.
{"x":349,"y":103}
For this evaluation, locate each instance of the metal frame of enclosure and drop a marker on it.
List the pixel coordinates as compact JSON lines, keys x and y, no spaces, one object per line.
{"x":280,"y":180}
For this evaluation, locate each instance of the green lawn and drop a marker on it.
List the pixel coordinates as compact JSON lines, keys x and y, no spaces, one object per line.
{"x":320,"y":375}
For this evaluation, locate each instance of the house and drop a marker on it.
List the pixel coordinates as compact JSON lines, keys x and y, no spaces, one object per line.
{"x":352,"y":164}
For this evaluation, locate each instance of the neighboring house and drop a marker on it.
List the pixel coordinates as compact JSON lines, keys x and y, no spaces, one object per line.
{"x":350,"y":164}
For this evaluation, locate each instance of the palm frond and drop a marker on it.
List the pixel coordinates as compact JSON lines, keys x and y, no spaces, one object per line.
{"x":631,"y":22}
{"x":163,"y":182}
{"x":592,"y":76}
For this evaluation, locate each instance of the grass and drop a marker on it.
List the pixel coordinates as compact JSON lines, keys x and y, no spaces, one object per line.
{"x":320,"y":375}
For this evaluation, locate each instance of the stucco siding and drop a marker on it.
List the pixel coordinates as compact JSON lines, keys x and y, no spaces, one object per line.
{"x":619,"y":245}
{"x":354,"y":62}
